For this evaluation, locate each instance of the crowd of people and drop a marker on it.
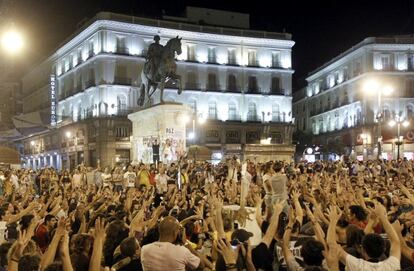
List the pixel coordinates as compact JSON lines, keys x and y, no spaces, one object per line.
{"x":342,"y":215}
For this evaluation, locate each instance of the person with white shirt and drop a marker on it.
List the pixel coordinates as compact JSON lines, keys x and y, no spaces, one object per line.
{"x":164,"y":254}
{"x":161,"y":180}
{"x":130,"y":177}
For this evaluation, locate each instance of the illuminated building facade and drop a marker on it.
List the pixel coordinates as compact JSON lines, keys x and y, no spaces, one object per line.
{"x":350,"y":101}
{"x":238,"y":80}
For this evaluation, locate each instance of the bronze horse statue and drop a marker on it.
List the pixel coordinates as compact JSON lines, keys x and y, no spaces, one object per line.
{"x":164,"y":71}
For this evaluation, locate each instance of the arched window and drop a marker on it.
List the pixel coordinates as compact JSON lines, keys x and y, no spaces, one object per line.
{"x":232,"y":111}
{"x":275,"y":113}
{"x":252,"y":112}
{"x":121,"y":103}
{"x":329,"y":125}
{"x":212,"y":110}
{"x":231,"y":83}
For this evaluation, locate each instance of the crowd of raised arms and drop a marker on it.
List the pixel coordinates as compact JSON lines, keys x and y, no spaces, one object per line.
{"x":193,"y":216}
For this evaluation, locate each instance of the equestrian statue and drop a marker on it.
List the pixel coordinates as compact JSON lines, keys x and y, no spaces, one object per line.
{"x":159,"y":69}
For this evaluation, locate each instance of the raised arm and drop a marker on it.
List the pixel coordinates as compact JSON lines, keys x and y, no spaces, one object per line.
{"x":99,"y":238}
{"x":334,"y":216}
{"x":381,"y":213}
{"x":271,"y":230}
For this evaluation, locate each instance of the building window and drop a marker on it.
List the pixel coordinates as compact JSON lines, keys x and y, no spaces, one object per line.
{"x":190,"y":52}
{"x":121,"y":75}
{"x":276,"y":85}
{"x":231,"y":83}
{"x":385,"y":62}
{"x":232,"y":57}
{"x":252,"y":112}
{"x":357,"y":68}
{"x":212,"y":110}
{"x":121,"y":103}
{"x":232,"y":111}
{"x":121,"y":45}
{"x":252,"y":86}
{"x":212,"y":55}
{"x":252,"y":58}
{"x":276,"y":113}
{"x":410,"y":87}
{"x":192,"y":81}
{"x":212,"y":82}
{"x":121,"y":132}
{"x":90,"y":51}
{"x":276,"y":60}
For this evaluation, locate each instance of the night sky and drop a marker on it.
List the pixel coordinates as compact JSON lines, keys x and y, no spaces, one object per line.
{"x":321,"y":29}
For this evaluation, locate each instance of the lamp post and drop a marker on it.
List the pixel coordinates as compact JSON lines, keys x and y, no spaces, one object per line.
{"x":374,"y":86}
{"x":400,"y":139}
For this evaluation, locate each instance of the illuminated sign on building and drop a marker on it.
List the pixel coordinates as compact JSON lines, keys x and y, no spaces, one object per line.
{"x":53,"y":103}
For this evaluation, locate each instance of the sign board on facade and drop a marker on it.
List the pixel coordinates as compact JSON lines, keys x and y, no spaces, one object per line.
{"x":53,"y":100}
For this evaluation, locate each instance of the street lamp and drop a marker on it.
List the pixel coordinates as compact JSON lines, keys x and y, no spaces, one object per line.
{"x":372,"y":86}
{"x":400,"y":139}
{"x":12,"y":41}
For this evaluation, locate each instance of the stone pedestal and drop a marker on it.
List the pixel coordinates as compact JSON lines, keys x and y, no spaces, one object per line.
{"x":165,"y":122}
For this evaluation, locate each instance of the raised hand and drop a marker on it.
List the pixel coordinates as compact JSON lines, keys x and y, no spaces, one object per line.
{"x":99,"y":232}
{"x":228,"y":253}
{"x":334,"y":214}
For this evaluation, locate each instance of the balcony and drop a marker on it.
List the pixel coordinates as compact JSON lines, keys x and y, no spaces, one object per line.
{"x":276,"y":64}
{"x":122,"y":50}
{"x":233,"y":88}
{"x":253,"y":63}
{"x":281,"y":92}
{"x":90,"y":83}
{"x":254,"y":90}
{"x":213,"y":87}
{"x":192,"y":86}
{"x":122,"y":81}
{"x":212,"y":60}
{"x":254,"y":118}
{"x":232,"y":61}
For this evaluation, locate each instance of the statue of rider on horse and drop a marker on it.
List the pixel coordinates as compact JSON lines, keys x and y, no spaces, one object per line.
{"x":159,"y":68}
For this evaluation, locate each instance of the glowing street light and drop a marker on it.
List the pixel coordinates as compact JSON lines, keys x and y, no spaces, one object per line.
{"x":68,"y":134}
{"x":12,"y":42}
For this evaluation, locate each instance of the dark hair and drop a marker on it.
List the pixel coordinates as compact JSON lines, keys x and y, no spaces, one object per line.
{"x":373,"y":245}
{"x":25,"y":221}
{"x":358,"y":211}
{"x":4,"y":249}
{"x":128,"y":247}
{"x":354,"y":236}
{"x":278,"y":166}
{"x":29,"y":263}
{"x":115,"y":233}
{"x":311,"y":252}
{"x":48,"y":218}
